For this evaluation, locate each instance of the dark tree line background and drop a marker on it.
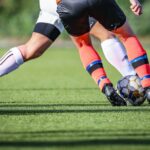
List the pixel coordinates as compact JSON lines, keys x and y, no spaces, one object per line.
{"x":17,"y":17}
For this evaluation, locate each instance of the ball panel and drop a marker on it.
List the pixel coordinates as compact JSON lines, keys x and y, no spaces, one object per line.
{"x":133,"y":85}
{"x":124,"y":83}
{"x":131,"y":89}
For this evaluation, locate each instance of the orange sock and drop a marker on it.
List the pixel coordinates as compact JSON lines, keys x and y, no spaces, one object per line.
{"x":93,"y":64}
{"x":138,"y":58}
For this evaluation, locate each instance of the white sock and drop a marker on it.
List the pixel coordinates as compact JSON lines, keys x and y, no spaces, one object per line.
{"x":116,"y":55}
{"x":10,"y":61}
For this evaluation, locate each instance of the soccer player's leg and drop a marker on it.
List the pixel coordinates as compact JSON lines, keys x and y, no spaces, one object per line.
{"x":78,"y":27}
{"x":93,"y":65}
{"x":116,"y":20}
{"x":136,"y":54}
{"x":16,"y":56}
{"x":45,"y":33}
{"x":111,"y":46}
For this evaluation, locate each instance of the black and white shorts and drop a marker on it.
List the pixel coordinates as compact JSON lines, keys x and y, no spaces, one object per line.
{"x":48,"y":22}
{"x":75,"y":15}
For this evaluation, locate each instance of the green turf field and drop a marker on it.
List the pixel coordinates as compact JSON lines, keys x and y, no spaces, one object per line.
{"x":52,"y":103}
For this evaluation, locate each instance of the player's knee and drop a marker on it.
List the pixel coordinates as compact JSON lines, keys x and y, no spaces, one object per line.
{"x":126,"y":36}
{"x":125,"y":32}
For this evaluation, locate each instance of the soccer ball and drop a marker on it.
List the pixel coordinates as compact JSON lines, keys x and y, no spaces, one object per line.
{"x":131,"y":90}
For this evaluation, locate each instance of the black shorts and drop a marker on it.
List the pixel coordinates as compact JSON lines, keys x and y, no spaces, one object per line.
{"x":75,"y":15}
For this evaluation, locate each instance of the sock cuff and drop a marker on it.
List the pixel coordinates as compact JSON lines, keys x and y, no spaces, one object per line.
{"x":18,"y":56}
{"x":109,"y":42}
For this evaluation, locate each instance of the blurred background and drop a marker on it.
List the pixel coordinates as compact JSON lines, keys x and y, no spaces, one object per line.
{"x":17,"y":17}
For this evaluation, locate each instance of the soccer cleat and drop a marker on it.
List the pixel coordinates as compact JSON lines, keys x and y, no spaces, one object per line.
{"x":147,"y":93}
{"x":113,"y":96}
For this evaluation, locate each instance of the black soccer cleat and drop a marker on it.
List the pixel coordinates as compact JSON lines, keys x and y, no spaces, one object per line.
{"x":147,"y":93}
{"x":113,"y":96}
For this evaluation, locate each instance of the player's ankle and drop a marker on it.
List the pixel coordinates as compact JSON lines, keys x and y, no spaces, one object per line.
{"x":105,"y":87}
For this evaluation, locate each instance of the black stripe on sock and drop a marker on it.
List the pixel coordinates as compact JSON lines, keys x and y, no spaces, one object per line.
{"x":5,"y":59}
{"x":140,"y":63}
{"x":94,"y":67}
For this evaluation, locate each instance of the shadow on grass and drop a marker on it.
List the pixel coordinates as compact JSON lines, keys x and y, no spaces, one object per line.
{"x":2,"y":105}
{"x":75,"y":143}
{"x":83,"y":133}
{"x":48,"y":109}
{"x":48,"y":89}
{"x":80,"y":138}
